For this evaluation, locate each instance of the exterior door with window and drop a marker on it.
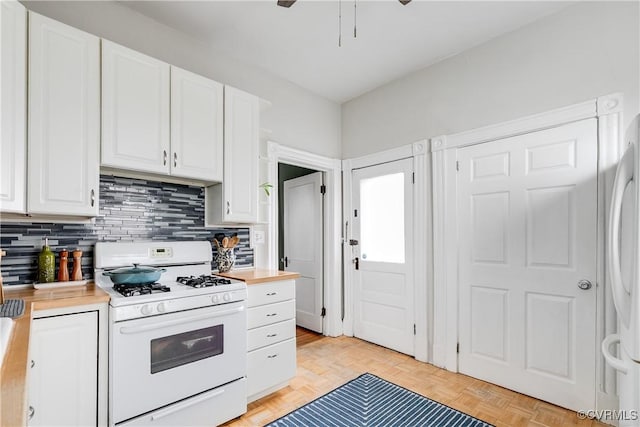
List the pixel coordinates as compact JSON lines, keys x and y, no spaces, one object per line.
{"x":383,"y":268}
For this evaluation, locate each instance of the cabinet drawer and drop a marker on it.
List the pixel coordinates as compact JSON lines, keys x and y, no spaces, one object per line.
{"x":215,"y":406}
{"x":271,"y":292}
{"x":271,"y":334}
{"x":270,"y":366}
{"x":270,"y":313}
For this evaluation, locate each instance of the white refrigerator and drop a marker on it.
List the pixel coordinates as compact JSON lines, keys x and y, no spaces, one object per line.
{"x":623,"y":264}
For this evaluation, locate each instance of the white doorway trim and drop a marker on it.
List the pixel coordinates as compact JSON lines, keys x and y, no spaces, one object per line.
{"x":277,"y":153}
{"x":608,"y":110}
{"x":422,"y":239}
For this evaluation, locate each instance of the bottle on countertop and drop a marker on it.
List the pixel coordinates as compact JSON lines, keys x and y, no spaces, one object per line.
{"x":46,"y":264}
{"x":63,"y":268}
{"x":76,"y":273}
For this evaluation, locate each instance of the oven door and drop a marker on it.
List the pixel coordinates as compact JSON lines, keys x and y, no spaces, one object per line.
{"x":158,"y":360}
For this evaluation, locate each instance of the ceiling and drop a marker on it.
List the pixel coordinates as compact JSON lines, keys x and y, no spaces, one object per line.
{"x":300,"y":44}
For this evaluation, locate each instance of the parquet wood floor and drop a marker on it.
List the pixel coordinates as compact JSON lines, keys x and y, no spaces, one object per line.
{"x":325,"y":363}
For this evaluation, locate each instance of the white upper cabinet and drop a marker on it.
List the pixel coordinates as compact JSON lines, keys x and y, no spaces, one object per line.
{"x":63,"y":119}
{"x":236,"y":199}
{"x":14,"y":107}
{"x":196,"y":126}
{"x":135,"y":110}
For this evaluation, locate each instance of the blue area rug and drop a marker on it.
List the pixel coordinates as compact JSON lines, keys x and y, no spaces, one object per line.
{"x":371,"y":401}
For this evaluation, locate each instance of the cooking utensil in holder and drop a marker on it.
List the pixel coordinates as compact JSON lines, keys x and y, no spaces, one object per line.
{"x":225,"y":258}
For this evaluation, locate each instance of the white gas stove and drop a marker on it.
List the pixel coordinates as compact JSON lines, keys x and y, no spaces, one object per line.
{"x":178,"y":347}
{"x":186,"y":284}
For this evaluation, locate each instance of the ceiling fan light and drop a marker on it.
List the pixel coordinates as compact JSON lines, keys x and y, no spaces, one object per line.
{"x":404,"y":2}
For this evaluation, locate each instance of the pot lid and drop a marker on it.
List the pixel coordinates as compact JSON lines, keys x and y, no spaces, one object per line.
{"x":136,"y":269}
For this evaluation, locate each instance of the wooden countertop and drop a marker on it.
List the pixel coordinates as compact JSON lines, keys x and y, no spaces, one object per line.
{"x":251,"y":277}
{"x":13,"y":393}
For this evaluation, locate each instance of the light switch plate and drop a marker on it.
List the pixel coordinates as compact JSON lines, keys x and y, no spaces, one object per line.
{"x":258,"y":237}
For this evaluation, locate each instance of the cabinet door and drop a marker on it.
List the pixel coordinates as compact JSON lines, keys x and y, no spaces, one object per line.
{"x":135,"y":110}
{"x":241,"y":133}
{"x":64,"y":119}
{"x":63,"y":383}
{"x":196,"y":126}
{"x":13,"y":145}
{"x":269,"y":367}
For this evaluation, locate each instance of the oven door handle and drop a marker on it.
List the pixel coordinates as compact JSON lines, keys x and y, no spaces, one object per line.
{"x":128,"y":330}
{"x":185,"y":405}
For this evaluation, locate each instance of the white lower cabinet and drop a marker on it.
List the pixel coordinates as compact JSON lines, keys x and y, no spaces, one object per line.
{"x":271,"y":342}
{"x":66,"y":377}
{"x":271,"y":366}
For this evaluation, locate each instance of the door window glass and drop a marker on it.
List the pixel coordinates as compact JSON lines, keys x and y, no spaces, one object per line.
{"x":187,"y":347}
{"x":382,"y":218}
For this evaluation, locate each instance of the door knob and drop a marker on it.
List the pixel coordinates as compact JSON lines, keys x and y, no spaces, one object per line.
{"x":584,"y":284}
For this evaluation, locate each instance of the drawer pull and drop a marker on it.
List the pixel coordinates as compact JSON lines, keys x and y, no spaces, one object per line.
{"x":271,"y":335}
{"x":272,"y":356}
{"x":272,"y":314}
{"x":270,"y":294}
{"x":32,"y":412}
{"x":33,"y":364}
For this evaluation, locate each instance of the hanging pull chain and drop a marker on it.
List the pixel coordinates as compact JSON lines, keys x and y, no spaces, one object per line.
{"x":355,"y":19}
{"x":340,"y":23}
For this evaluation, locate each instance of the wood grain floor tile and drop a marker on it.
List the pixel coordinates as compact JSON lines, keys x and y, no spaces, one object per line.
{"x":326,"y":363}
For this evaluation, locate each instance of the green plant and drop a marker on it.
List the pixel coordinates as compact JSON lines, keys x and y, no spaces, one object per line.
{"x":266,"y":187}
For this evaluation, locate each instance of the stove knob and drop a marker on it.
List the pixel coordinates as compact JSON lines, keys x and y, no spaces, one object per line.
{"x":161,"y":308}
{"x":146,"y":310}
{"x":226,"y":297}
{"x":215,"y":299}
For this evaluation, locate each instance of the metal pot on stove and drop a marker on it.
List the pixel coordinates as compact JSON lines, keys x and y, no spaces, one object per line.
{"x":136,"y":275}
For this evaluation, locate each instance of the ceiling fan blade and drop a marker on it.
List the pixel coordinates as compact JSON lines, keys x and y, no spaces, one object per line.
{"x":404,"y":2}
{"x":288,"y":3}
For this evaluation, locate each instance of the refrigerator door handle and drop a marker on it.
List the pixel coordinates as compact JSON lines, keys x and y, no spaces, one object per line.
{"x":614,"y":362}
{"x":624,"y":175}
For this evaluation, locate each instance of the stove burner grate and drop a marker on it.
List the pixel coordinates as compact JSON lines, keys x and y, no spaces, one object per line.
{"x":140,"y":289}
{"x":203,"y":281}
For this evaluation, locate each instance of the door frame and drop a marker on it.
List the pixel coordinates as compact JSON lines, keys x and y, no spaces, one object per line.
{"x":332,"y":256}
{"x":422,"y":249}
{"x":608,"y":111}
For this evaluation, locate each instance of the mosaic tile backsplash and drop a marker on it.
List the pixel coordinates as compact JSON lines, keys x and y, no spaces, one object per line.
{"x":130,"y":210}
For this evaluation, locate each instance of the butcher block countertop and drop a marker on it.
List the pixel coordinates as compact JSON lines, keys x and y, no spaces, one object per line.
{"x":253,"y":276}
{"x":13,"y":393}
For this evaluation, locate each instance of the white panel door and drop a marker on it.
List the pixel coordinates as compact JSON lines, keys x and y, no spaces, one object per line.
{"x":383,"y":277}
{"x":64,"y":119}
{"x":303,"y":246}
{"x":527,"y":237}
{"x":13,"y":146}
{"x":196,"y":126}
{"x":63,"y":381}
{"x":135,"y":110}
{"x":241,"y":132}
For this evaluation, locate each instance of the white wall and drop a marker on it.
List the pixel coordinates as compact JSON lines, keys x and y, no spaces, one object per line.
{"x":587,"y":50}
{"x":297,"y":117}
